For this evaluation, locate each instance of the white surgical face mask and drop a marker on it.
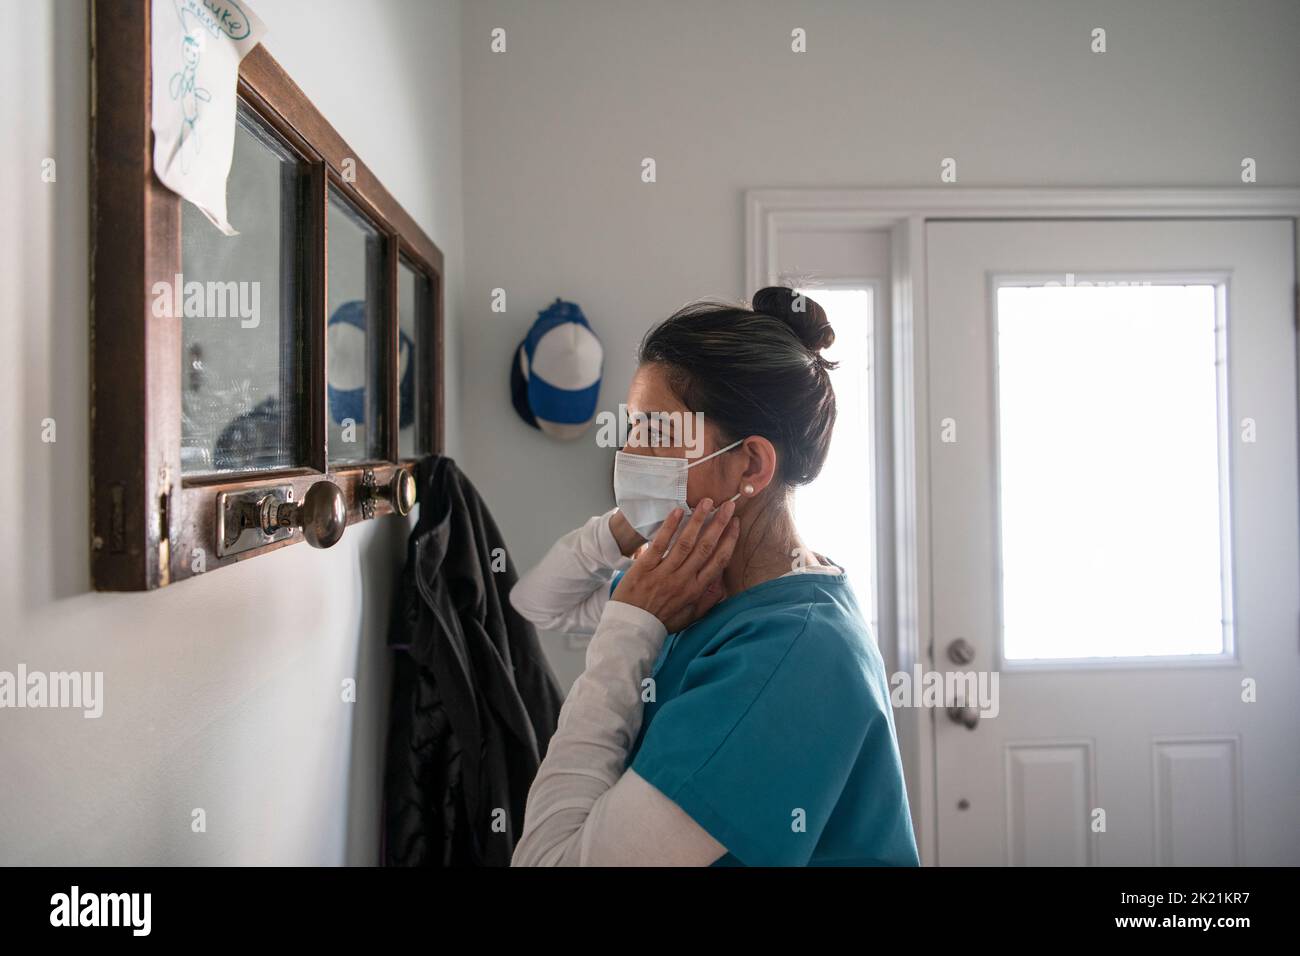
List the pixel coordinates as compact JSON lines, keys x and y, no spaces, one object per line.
{"x":648,"y":488}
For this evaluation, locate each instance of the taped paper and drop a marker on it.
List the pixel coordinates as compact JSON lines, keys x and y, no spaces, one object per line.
{"x":196,"y":49}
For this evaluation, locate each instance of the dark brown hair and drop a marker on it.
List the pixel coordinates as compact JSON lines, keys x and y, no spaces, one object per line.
{"x":756,"y":371}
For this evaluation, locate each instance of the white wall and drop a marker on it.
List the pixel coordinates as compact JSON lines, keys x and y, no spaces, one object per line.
{"x":222,"y":692}
{"x":556,"y":128}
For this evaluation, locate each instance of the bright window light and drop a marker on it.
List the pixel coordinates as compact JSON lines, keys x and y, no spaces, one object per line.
{"x":1112,"y":465}
{"x":836,"y":512}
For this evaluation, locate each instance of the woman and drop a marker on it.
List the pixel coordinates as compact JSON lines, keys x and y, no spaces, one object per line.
{"x":734,"y":709}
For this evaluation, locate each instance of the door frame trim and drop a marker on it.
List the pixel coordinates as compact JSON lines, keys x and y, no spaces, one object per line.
{"x":903,"y":214}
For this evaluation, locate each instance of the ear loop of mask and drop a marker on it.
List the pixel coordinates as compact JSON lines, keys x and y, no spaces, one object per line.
{"x":714,"y":455}
{"x":689,"y":510}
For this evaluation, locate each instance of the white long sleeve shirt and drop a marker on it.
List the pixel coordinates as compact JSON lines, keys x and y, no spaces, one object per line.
{"x":583,"y":808}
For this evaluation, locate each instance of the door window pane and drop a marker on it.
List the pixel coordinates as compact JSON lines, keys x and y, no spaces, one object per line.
{"x":835,"y":512}
{"x":240,"y":298}
{"x":414,"y":319}
{"x":1112,"y":470}
{"x":356,"y":351}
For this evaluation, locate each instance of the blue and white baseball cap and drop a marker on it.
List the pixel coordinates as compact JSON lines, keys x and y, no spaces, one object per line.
{"x":555,"y":375}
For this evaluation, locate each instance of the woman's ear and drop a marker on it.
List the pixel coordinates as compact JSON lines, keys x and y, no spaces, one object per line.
{"x":759,"y":457}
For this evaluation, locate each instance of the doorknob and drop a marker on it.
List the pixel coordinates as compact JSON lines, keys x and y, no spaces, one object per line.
{"x":961,"y":651}
{"x":322,"y":515}
{"x":964,"y":714}
{"x":399,"y":492}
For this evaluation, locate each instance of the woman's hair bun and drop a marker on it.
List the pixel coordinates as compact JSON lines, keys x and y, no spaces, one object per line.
{"x":801,"y":313}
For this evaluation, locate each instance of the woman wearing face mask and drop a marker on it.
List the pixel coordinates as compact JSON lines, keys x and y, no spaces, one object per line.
{"x":734,"y":709}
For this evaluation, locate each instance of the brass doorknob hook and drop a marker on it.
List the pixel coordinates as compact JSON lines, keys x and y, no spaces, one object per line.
{"x":322,"y":514}
{"x":398,"y":492}
{"x":401,"y":491}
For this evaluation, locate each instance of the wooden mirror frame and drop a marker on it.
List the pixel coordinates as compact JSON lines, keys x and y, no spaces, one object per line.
{"x":147,"y":518}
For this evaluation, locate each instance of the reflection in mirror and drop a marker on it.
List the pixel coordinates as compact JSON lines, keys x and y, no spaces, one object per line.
{"x":414,"y":301}
{"x":355,"y":348}
{"x":240,"y":298}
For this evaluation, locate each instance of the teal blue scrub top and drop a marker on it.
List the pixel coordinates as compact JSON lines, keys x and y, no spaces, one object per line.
{"x":772,"y":728}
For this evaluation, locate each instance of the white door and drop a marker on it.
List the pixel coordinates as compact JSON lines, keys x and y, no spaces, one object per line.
{"x":1114,"y":492}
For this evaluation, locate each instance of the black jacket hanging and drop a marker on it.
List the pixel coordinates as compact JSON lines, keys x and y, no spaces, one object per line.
{"x":475,"y":702}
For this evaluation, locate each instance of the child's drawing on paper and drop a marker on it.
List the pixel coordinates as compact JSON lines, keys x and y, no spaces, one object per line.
{"x":196,"y":46}
{"x":184,"y":86}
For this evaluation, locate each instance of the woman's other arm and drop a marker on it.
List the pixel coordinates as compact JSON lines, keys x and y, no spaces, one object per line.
{"x":583,"y":809}
{"x":569,"y":587}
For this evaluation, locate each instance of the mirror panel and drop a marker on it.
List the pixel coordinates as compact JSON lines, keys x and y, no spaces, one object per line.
{"x":356,"y":344}
{"x":241,"y":302}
